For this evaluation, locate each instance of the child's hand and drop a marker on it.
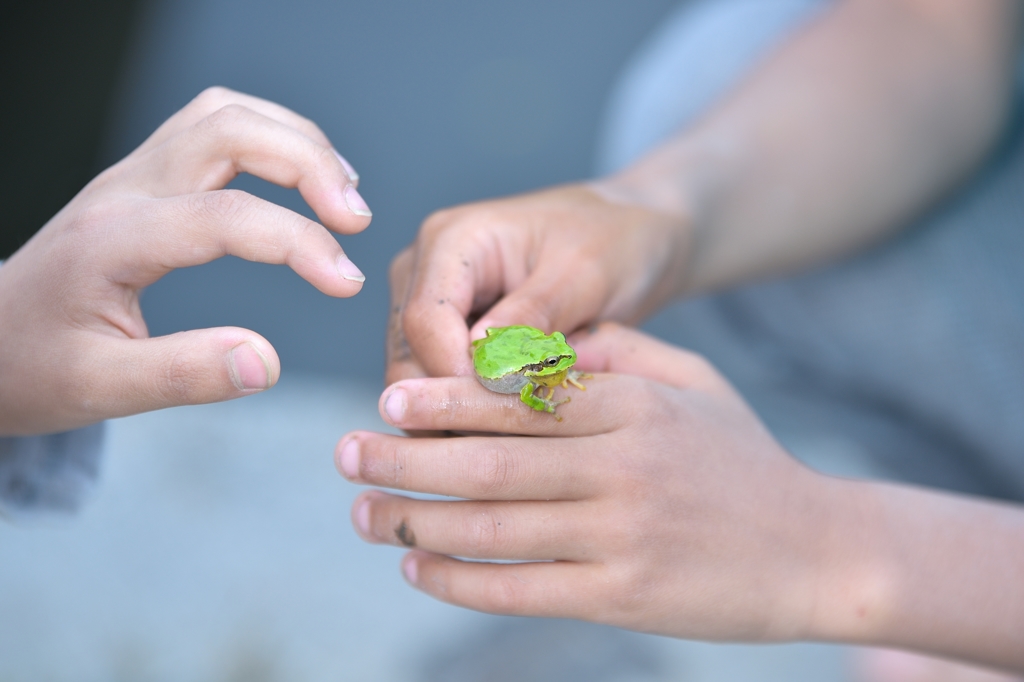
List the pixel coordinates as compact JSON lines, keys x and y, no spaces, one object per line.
{"x":663,"y":502}
{"x":74,"y":348}
{"x":660,"y":503}
{"x":558,"y":259}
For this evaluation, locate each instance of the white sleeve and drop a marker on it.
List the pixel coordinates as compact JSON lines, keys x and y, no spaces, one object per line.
{"x":51,"y":473}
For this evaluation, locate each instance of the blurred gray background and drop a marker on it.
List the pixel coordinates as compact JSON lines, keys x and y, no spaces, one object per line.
{"x":434,"y":104}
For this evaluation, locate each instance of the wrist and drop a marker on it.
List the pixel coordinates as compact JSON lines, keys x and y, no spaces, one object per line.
{"x":686,"y":179}
{"x":856,"y":579}
{"x":918,"y":569}
{"x":644,"y":194}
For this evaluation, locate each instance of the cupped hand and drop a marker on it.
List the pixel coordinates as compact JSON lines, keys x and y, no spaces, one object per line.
{"x":558,"y":259}
{"x":659,"y":503}
{"x":74,"y":347}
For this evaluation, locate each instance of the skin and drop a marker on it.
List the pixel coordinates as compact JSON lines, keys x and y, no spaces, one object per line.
{"x":675,"y":512}
{"x":74,"y":348}
{"x":667,"y":507}
{"x":855,"y":125}
{"x":520,"y":359}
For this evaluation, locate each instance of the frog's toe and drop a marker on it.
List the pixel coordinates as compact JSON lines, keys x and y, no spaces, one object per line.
{"x":574,"y":378}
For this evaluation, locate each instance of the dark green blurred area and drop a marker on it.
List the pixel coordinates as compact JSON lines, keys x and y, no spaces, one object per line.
{"x":60,"y":65}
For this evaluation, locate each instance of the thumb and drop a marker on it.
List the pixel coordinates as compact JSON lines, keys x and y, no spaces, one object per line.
{"x":187,"y":368}
{"x":611,"y":347}
{"x":552,"y":299}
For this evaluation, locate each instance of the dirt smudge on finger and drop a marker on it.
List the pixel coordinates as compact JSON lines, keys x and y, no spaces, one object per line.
{"x":405,"y":535}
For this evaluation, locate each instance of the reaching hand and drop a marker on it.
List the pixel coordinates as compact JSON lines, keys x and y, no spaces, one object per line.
{"x":74,"y":348}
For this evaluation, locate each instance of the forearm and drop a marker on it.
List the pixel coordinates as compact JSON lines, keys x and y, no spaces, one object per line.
{"x":922,"y":570}
{"x":859,"y":121}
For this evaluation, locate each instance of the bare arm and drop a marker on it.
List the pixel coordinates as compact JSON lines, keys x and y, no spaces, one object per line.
{"x":858,"y":122}
{"x":918,"y":569}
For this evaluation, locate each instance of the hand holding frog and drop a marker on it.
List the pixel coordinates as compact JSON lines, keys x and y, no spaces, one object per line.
{"x":662,"y":504}
{"x":74,"y":348}
{"x":561,"y":259}
{"x":656,"y":500}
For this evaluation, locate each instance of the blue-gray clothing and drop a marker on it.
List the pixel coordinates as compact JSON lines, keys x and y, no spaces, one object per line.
{"x":913,"y":350}
{"x":48,"y":473}
{"x":51,"y":473}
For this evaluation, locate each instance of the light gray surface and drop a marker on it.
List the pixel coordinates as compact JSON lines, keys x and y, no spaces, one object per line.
{"x":218,"y":547}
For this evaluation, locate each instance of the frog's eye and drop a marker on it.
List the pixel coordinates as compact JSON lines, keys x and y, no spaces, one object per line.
{"x":552,"y":361}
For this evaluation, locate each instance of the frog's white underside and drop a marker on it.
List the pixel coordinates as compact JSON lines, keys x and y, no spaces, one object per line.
{"x":510,"y":383}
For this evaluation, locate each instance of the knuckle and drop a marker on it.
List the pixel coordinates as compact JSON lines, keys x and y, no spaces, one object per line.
{"x":504,"y":594}
{"x":91,"y":217}
{"x":385,"y":465}
{"x":212,"y":98}
{"x":485,"y":533}
{"x":498,"y":471}
{"x":181,"y":379}
{"x":629,"y":590}
{"x":225,"y":120}
{"x":222,"y":205}
{"x":437,"y":221}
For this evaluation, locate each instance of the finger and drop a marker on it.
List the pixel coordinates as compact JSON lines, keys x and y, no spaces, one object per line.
{"x":128,"y":376}
{"x":400,"y":362}
{"x":195,"y":229}
{"x":234,"y":140}
{"x":555,"y":297}
{"x":592,"y":260}
{"x":559,"y":589}
{"x":481,"y":468}
{"x":611,"y":347}
{"x":462,"y":404}
{"x":476,"y":530}
{"x":453,"y":273}
{"x":214,"y":98}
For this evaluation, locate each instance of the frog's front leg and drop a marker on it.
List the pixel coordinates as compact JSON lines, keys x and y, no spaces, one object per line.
{"x":536,"y":402}
{"x":573,"y":377}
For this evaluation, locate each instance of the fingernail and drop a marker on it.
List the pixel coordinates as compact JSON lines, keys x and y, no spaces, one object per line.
{"x":352,"y":174}
{"x":410,"y":568}
{"x":355,"y":202}
{"x":348,"y":270}
{"x":248,"y":368}
{"x":395,"y":405}
{"x":349,"y":458}
{"x":363,"y":518}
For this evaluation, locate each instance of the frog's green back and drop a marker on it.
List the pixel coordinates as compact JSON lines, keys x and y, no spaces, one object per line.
{"x":508,"y":349}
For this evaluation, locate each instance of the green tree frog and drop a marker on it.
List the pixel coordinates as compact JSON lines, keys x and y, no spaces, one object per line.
{"x":521,"y":359}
